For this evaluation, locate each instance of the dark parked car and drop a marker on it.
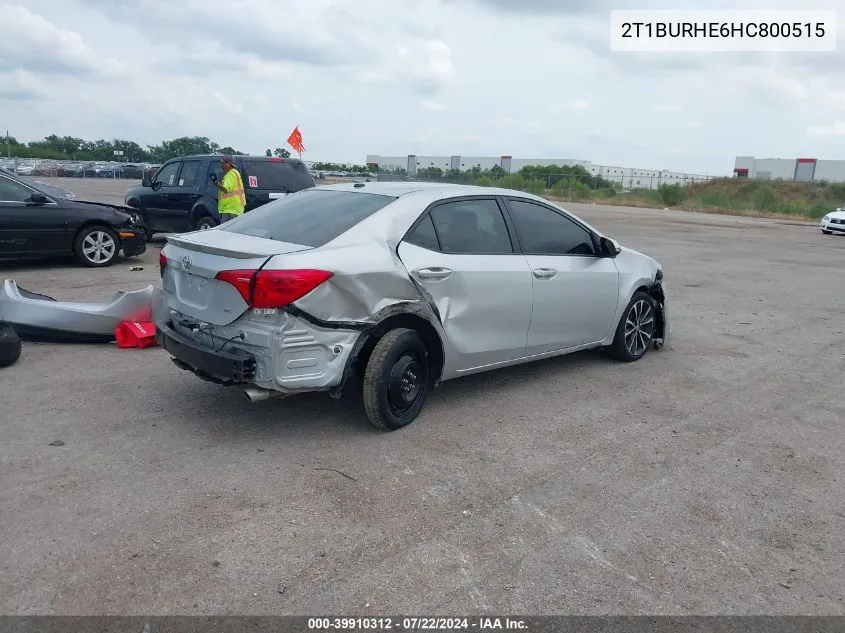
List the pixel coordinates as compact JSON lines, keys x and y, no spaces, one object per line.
{"x":180,"y":196}
{"x":36,"y":223}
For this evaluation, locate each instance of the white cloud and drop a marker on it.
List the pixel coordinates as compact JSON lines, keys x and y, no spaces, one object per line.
{"x":669,"y":108}
{"x":20,"y":85}
{"x":827,"y":131}
{"x":34,"y":43}
{"x":432,"y":106}
{"x":267,"y":70}
{"x":694,"y":124}
{"x":835,"y":99}
{"x":578,"y":104}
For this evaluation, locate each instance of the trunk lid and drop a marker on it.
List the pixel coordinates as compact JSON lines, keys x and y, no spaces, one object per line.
{"x":193,"y":262}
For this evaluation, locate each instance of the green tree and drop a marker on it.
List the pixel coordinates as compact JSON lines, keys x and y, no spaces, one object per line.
{"x":281,"y":152}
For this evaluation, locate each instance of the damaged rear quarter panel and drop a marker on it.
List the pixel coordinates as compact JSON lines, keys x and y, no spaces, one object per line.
{"x":369,"y":283}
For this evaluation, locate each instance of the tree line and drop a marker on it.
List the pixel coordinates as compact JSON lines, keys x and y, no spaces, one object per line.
{"x":529,"y":178}
{"x":55,"y":147}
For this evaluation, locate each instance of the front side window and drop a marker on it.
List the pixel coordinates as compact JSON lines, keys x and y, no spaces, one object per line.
{"x":543,"y":231}
{"x":167,"y":174}
{"x":472,"y":227}
{"x":11,"y":191}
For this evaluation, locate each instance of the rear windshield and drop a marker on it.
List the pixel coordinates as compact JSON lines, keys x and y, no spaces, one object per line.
{"x":312,"y":217}
{"x":276,"y":175}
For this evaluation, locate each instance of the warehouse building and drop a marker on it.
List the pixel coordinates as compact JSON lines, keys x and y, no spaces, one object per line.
{"x":412,"y":163}
{"x":797,"y":169}
{"x":626,"y":177}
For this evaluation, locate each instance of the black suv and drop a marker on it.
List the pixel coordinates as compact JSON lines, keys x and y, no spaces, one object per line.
{"x":181,"y":197}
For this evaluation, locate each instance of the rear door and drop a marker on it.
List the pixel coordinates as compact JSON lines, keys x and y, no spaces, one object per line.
{"x":27,"y":229}
{"x":461,"y":254}
{"x":267,"y":179}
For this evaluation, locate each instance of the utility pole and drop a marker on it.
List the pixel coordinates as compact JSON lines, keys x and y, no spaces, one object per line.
{"x":8,"y":147}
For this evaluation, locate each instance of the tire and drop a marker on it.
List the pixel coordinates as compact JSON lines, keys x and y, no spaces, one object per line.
{"x":204,"y":223}
{"x":86,"y":249}
{"x":631,"y":342}
{"x":826,"y":232}
{"x":10,"y":345}
{"x":400,"y":355}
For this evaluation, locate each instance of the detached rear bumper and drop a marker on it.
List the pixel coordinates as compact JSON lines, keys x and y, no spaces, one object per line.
{"x":232,"y":367}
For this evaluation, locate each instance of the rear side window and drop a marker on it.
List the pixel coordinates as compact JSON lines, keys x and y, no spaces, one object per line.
{"x":424,"y":235}
{"x":276,"y":176}
{"x":312,"y":217}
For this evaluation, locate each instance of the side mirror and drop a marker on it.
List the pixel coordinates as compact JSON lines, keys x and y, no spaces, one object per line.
{"x":146,"y":182}
{"x":609,"y":247}
{"x":38,"y":198}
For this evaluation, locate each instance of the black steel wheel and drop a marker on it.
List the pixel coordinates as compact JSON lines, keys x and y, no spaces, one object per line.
{"x":635,"y":332}
{"x":10,"y":345}
{"x":397,"y":380}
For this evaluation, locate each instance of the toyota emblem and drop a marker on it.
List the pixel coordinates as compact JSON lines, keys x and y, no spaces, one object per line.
{"x":186,"y":262}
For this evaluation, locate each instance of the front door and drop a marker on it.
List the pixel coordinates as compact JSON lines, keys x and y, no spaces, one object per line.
{"x":157,"y":202}
{"x":185,"y":194}
{"x":575,"y":290}
{"x":30,"y":229}
{"x":461,"y":255}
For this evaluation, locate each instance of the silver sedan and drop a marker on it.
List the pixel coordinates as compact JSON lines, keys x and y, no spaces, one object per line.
{"x":404,"y":285}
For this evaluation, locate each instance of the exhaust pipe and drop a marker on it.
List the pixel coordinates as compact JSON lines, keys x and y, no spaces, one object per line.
{"x":255,"y":395}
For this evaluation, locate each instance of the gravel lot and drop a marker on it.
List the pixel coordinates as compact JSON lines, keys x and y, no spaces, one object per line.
{"x":707,"y":478}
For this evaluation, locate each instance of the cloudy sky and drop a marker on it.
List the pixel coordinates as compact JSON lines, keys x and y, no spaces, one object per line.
{"x":530,"y":78}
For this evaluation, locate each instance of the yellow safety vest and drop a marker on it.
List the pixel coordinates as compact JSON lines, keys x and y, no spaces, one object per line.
{"x":234,"y":199}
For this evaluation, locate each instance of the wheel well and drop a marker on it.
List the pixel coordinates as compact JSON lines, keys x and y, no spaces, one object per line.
{"x":200,"y":211}
{"x":413,"y":322}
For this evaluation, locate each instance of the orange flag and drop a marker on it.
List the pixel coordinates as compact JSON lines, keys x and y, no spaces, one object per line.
{"x":295,"y":140}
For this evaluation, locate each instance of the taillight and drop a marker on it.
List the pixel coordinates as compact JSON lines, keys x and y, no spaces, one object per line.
{"x":278,"y":288}
{"x":240,"y":279}
{"x":273,"y":288}
{"x":162,"y":262}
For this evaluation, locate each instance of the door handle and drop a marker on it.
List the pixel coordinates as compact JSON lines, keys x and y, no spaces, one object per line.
{"x":544,"y":273}
{"x":434,"y":274}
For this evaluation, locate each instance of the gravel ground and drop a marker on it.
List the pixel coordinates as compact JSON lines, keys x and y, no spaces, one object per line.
{"x":706,"y":478}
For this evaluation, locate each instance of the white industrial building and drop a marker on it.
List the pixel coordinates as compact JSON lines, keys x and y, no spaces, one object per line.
{"x":623,"y":176}
{"x":797,"y":169}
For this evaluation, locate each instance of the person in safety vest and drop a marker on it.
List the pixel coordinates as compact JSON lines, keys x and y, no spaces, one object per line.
{"x":231,"y":197}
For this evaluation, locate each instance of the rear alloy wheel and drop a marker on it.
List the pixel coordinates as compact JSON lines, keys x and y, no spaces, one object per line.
{"x":397,"y":380}
{"x":96,"y":246}
{"x":635,"y":332}
{"x":205,"y":223}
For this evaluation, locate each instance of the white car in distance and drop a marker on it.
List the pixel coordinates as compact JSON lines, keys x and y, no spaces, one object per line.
{"x":833,"y":222}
